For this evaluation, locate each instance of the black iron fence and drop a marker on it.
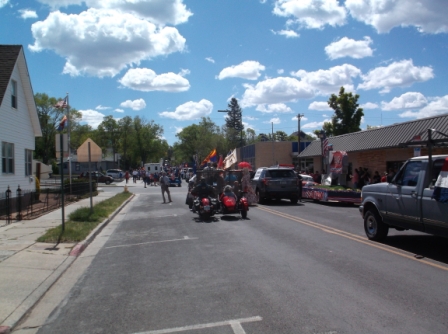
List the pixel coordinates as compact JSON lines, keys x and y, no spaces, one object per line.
{"x":21,"y":204}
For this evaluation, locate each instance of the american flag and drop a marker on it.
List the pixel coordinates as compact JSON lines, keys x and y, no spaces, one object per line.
{"x":325,"y":146}
{"x":61,"y":103}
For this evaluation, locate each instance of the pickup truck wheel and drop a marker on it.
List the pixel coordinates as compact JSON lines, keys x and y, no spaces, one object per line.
{"x":294,"y":200}
{"x":374,"y":227}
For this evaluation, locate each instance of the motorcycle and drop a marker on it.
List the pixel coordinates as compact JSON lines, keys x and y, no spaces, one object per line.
{"x":230,"y":205}
{"x":205,"y":206}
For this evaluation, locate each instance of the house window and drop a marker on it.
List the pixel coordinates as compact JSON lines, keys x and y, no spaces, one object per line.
{"x":14,"y":94}
{"x":28,"y":162}
{"x":7,"y":158}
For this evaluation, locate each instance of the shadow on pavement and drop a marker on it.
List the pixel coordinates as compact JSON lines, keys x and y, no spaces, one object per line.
{"x":423,"y":246}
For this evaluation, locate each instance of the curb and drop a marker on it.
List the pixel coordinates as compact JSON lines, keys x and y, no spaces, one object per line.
{"x":15,"y":317}
{"x":82,"y":245}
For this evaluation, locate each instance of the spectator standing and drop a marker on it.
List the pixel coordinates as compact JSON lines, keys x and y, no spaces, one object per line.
{"x":126,"y":176}
{"x":355,"y":178}
{"x":384,"y":177}
{"x":134,"y":176}
{"x":164,"y":185}
{"x":390,"y":175}
{"x":376,"y":177}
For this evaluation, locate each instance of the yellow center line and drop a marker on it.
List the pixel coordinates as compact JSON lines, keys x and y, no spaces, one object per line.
{"x":351,"y":236}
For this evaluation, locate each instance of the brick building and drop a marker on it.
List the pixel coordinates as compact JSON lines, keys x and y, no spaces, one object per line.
{"x":381,"y":148}
{"x":270,"y":153}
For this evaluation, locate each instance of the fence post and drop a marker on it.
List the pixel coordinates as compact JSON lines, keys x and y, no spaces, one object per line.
{"x":8,"y":206}
{"x":19,"y":203}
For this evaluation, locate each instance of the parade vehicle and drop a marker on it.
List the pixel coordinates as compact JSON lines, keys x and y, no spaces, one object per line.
{"x":333,"y":186}
{"x":231,"y":204}
{"x":276,"y":183}
{"x":415,"y":199}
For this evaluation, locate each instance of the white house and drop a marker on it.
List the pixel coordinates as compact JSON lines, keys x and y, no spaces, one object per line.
{"x":19,"y":121}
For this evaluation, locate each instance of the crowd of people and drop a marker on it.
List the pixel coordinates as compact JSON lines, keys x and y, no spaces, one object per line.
{"x":360,"y":177}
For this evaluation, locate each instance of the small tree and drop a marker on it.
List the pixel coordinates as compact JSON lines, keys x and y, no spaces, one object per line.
{"x":347,"y":114}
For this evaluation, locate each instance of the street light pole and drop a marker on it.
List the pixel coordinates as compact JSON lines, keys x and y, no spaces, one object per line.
{"x":299,"y":116}
{"x":322,"y":137}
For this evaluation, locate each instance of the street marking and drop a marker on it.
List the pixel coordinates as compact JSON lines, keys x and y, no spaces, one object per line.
{"x":152,"y":242}
{"x":235,"y":324}
{"x":352,"y":236}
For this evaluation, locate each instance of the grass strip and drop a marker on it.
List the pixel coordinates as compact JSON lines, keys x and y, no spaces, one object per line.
{"x":81,"y":221}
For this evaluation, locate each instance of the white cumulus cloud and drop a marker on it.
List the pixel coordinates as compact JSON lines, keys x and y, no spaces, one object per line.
{"x":160,"y":12}
{"x":347,"y":47}
{"x":315,"y":125}
{"x":92,"y":117}
{"x":410,"y":100}
{"x":286,"y":33}
{"x":27,"y":14}
{"x":369,"y":105}
{"x":190,"y":111}
{"x":275,"y":90}
{"x":274,"y":120}
{"x":312,"y":14}
{"x":248,"y":69}
{"x":146,"y":80}
{"x":398,"y":74}
{"x":274,"y":108}
{"x":134,"y":105}
{"x":321,"y":106}
{"x":428,"y":16}
{"x":103,"y":42}
{"x":325,"y":82}
{"x":436,"y":107}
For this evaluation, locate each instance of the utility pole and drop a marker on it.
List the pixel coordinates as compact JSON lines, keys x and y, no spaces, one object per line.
{"x":299,"y":116}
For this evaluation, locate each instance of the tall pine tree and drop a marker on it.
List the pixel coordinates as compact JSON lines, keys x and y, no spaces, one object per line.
{"x":234,"y":123}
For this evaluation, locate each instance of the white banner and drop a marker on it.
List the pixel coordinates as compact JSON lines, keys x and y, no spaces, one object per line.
{"x":230,"y":159}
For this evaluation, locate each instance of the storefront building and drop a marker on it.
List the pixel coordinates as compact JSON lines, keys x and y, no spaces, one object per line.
{"x":382,"y":148}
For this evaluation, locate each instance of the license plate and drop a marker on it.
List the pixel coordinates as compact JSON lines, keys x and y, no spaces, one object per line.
{"x":207,"y":207}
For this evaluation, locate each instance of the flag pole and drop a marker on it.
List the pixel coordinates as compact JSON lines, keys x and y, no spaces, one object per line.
{"x":68,"y":143}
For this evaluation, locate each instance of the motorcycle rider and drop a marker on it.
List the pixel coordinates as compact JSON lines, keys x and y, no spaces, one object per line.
{"x":203,"y":189}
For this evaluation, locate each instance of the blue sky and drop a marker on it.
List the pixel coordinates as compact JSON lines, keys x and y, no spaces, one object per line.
{"x":175,"y":61}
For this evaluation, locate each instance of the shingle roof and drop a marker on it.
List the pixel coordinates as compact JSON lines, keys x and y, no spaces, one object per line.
{"x":8,"y":59}
{"x":384,"y":137}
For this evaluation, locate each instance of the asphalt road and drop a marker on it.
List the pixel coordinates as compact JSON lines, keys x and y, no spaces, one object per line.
{"x":305,"y":268}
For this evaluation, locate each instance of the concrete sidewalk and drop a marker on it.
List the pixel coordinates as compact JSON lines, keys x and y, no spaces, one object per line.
{"x":29,"y":268}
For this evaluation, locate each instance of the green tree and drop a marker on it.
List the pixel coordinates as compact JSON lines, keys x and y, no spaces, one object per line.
{"x":280,"y":136}
{"x":347,"y":114}
{"x":199,"y":139}
{"x":49,"y":118}
{"x":109,"y":130}
{"x":234,"y":123}
{"x":250,"y":135}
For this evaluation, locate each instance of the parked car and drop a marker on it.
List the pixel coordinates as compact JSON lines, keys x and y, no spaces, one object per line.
{"x":115,"y":173}
{"x":176,"y":182}
{"x":276,"y":183}
{"x":98,"y":177}
{"x":412,"y":200}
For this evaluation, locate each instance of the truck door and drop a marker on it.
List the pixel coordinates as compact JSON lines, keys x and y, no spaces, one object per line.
{"x":435,"y":214}
{"x":403,"y":201}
